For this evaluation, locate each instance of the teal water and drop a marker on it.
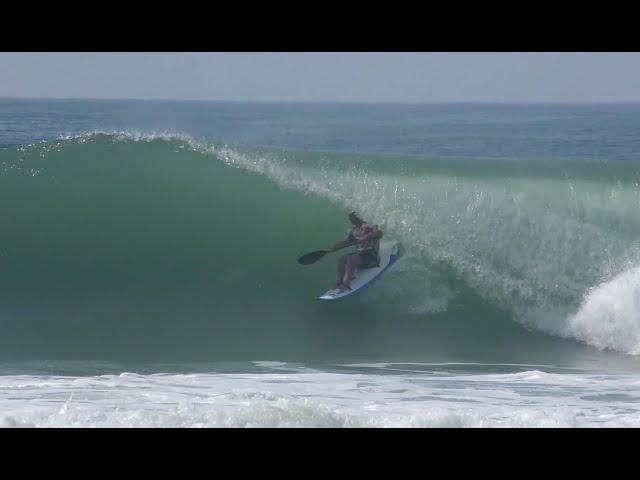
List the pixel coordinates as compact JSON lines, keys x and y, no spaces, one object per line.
{"x":161,"y":248}
{"x":148,"y":272}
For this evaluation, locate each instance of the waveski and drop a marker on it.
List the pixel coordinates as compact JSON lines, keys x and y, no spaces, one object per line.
{"x":158,"y":246}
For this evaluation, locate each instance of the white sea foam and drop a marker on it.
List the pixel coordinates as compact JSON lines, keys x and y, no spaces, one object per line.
{"x":526,"y":399}
{"x":609,"y":316}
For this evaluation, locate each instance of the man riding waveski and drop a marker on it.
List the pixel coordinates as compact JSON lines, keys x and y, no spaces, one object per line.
{"x":366,"y":238}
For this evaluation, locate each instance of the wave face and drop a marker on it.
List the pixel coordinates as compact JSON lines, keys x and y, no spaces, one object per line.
{"x":159,"y":247}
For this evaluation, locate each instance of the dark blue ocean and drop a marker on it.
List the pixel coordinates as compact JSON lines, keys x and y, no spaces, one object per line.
{"x":513,"y":131}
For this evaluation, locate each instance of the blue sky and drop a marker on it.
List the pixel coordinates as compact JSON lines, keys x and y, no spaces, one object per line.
{"x":355,"y":77}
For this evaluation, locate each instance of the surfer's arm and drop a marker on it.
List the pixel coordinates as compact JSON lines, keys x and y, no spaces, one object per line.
{"x":349,"y":240}
{"x":343,"y":244}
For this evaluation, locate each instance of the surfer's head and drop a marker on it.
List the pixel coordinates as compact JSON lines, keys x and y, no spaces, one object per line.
{"x":355,"y":218}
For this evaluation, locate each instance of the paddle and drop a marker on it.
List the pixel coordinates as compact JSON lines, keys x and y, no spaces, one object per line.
{"x":312,"y":257}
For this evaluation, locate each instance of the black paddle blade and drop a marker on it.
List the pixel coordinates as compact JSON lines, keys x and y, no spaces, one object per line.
{"x":312,"y":257}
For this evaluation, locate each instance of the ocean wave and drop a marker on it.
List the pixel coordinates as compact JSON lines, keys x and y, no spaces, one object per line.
{"x":128,"y":233}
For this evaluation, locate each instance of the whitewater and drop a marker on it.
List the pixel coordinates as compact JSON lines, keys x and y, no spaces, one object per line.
{"x":290,"y":396}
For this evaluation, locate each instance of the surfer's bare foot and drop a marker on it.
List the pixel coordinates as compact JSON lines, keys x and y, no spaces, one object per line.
{"x":344,"y":288}
{"x":336,"y":286}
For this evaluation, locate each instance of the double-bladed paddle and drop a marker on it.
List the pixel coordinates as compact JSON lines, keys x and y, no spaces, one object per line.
{"x":312,"y":257}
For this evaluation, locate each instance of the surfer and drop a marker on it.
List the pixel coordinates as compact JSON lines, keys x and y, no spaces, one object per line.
{"x":366,"y":237}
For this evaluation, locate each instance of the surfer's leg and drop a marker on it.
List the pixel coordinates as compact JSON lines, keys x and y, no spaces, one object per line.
{"x":352,"y":263}
{"x":342,"y":265}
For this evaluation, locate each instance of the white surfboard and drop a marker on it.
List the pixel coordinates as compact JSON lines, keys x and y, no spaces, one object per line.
{"x":364,"y":277}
